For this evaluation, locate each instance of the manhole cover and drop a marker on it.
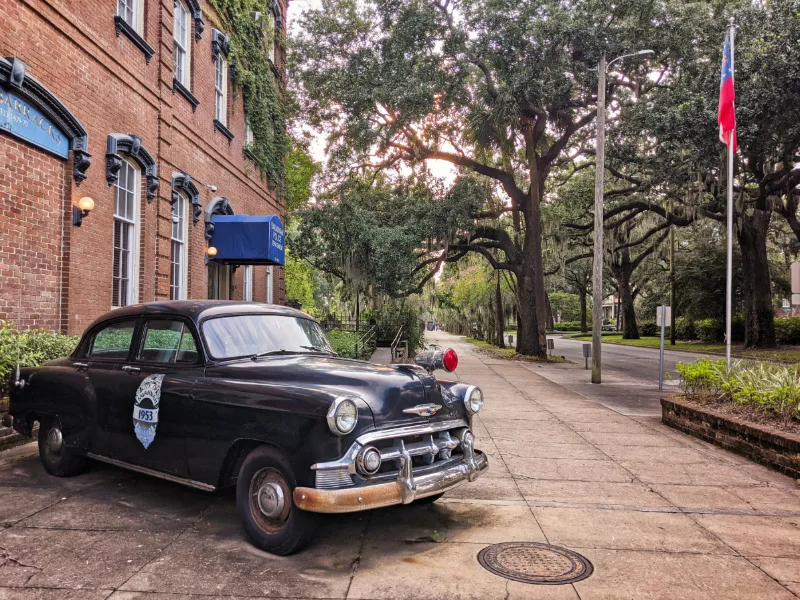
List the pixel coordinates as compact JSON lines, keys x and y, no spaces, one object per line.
{"x":531,"y":562}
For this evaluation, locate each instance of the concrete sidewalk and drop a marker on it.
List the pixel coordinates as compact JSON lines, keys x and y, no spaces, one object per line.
{"x":659,"y":514}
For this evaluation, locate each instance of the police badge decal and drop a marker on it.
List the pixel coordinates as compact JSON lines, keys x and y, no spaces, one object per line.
{"x":145,"y":409}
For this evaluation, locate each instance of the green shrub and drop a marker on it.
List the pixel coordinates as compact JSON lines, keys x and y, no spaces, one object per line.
{"x":787,"y":331}
{"x":710,"y":330}
{"x":343,"y":342}
{"x":29,"y":349}
{"x":685,"y":329}
{"x":570,"y":326}
{"x":772,"y":388}
{"x":649,"y":329}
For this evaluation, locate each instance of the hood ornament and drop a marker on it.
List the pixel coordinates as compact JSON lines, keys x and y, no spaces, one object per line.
{"x":423,"y":410}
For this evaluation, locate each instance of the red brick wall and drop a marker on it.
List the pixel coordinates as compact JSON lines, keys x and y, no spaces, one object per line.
{"x":72,"y":48}
{"x":32,"y":191}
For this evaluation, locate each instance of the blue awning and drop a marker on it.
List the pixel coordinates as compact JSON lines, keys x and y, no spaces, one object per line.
{"x":248,"y":239}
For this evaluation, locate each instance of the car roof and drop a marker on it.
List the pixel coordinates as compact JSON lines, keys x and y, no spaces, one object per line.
{"x":197,"y":310}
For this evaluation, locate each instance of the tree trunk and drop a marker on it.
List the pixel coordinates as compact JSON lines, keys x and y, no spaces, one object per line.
{"x":582,"y":295}
{"x":498,"y":300}
{"x":549,"y":320}
{"x":759,"y":328}
{"x":628,"y":314}
{"x":528,"y":328}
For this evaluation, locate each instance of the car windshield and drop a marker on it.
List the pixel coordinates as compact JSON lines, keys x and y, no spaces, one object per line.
{"x":253,"y":335}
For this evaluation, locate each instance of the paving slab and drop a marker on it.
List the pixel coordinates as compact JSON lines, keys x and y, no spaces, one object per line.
{"x":437,"y":572}
{"x":670,"y":575}
{"x":626,"y":530}
{"x":227,"y":565}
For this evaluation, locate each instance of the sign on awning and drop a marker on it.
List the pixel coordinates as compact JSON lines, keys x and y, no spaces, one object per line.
{"x":248,"y":239}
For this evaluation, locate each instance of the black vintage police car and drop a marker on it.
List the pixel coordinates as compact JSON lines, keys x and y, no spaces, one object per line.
{"x":214,"y":393}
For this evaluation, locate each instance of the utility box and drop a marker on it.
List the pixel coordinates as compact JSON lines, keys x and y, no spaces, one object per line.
{"x":587,"y":352}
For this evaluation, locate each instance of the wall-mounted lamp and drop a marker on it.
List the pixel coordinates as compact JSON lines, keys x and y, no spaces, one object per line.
{"x":211,"y":251}
{"x":81,"y":210}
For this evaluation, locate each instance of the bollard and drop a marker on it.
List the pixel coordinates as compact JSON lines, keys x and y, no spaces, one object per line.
{"x":587,"y":352}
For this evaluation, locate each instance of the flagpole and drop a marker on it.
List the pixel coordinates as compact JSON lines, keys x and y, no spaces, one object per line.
{"x":729,"y":275}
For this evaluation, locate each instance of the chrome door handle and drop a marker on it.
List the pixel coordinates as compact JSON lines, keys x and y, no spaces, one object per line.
{"x":131,"y":369}
{"x":80,"y":365}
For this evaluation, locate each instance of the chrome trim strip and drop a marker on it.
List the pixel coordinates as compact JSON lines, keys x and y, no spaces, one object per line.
{"x":418,"y":429}
{"x":173,"y":478}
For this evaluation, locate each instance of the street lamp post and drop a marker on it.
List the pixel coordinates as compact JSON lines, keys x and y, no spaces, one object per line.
{"x":600,"y":159}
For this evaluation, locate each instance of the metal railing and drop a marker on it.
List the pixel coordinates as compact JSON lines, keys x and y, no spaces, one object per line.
{"x":399,"y":346}
{"x":365,"y":345}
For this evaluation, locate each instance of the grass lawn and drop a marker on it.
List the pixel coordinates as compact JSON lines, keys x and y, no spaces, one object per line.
{"x":787,"y":354}
{"x":509,"y":352}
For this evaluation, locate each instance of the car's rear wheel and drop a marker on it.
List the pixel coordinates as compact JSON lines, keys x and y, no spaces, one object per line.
{"x":57,"y":459}
{"x":265,"y":505}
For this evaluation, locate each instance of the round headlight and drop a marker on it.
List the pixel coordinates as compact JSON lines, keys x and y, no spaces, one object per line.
{"x":368,"y":460}
{"x":473,"y":400}
{"x":343,"y":416}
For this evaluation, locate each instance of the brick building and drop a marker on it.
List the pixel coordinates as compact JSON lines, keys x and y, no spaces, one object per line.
{"x":129,"y":103}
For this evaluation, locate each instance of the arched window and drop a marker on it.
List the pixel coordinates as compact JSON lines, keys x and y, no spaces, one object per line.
{"x":125,"y":269}
{"x":182,"y":48}
{"x":178,"y":261}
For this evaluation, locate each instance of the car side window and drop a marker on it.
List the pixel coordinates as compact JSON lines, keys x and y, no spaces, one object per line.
{"x":167,"y":342}
{"x":113,"y":341}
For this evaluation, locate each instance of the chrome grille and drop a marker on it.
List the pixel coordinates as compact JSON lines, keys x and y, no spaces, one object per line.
{"x":403,"y":449}
{"x":333,"y":478}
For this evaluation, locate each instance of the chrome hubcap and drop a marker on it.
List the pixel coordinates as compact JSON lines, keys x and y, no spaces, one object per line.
{"x":55,"y":441}
{"x":271,"y":500}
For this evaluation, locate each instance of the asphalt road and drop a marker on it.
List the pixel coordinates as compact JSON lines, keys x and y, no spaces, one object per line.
{"x":628,"y":361}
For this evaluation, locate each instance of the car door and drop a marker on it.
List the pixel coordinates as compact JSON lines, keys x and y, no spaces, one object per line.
{"x":154,"y":396}
{"x":108,"y":348}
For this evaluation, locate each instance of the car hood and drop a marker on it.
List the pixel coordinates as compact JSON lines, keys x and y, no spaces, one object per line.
{"x":387,"y":390}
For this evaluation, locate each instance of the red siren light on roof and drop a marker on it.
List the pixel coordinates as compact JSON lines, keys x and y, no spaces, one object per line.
{"x":450,"y":360}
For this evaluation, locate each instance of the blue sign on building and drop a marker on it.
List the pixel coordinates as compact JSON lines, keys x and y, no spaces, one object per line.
{"x":22,"y":120}
{"x":248,"y":239}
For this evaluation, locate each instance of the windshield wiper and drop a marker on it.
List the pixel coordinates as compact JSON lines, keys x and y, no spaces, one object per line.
{"x":255,"y":357}
{"x":318,"y":349}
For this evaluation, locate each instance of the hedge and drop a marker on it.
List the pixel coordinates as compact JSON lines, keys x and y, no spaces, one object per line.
{"x":343,"y":342}
{"x":29,"y":349}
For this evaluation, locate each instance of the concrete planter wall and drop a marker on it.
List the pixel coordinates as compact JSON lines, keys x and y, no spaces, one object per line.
{"x":762,"y":444}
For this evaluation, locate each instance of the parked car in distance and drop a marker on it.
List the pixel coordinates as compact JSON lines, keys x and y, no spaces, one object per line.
{"x":215,"y":393}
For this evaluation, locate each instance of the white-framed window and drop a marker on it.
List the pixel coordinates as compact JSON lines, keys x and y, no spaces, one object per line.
{"x":182,"y":30}
{"x":248,"y":135}
{"x":178,"y":271}
{"x":221,"y":89}
{"x":248,"y":283}
{"x":269,"y":285}
{"x":125,"y":268}
{"x":131,"y":12}
{"x":269,"y":32}
{"x":786,"y":304}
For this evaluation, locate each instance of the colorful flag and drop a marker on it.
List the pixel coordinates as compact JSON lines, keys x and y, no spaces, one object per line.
{"x":727,"y":115}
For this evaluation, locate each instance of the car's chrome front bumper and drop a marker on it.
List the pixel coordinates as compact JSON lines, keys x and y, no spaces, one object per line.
{"x":406,"y":488}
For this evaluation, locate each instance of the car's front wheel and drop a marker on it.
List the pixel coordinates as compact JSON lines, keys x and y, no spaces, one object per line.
{"x":264,"y":501}
{"x":57,"y":459}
